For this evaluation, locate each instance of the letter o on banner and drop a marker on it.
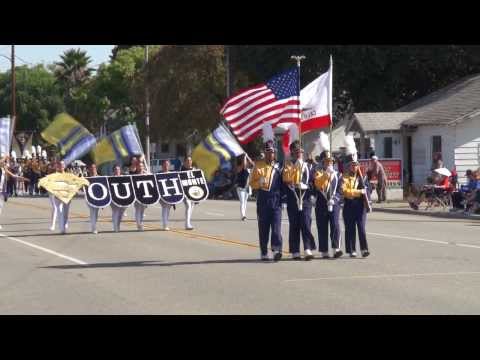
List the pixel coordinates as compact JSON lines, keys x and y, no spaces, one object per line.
{"x":97,"y":193}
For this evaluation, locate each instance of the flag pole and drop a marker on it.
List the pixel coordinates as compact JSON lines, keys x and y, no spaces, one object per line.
{"x":330,"y":100}
{"x":298,"y":59}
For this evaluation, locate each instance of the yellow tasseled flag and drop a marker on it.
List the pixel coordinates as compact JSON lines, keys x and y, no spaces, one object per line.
{"x":103,"y":152}
{"x":206,"y":160}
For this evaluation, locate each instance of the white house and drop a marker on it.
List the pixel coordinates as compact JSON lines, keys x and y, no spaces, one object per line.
{"x":445,"y":123}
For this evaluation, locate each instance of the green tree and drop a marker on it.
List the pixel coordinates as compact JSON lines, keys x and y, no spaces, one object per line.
{"x":38,"y":97}
{"x":74,"y":68}
{"x":122,"y":83}
{"x":187,"y":88}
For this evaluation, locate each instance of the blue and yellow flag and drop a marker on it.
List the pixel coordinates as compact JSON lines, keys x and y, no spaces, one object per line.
{"x":117,"y":146}
{"x":216,"y":151}
{"x":72,"y":138}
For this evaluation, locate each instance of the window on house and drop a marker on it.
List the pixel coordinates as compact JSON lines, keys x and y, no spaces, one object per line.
{"x":436,"y":148}
{"x":164,"y":148}
{"x":181,"y":151}
{"x":387,"y":147}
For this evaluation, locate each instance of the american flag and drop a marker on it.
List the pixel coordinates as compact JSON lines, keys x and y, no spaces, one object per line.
{"x":277,"y":101}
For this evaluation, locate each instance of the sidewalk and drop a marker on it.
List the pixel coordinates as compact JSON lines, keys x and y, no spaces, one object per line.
{"x":402,"y":207}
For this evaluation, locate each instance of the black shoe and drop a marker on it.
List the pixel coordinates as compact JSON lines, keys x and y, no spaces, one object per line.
{"x":365,"y":253}
{"x":244,"y":218}
{"x":297,"y":258}
{"x":326,"y":256}
{"x":277,"y":256}
{"x":338,"y":254}
{"x":309,"y":257}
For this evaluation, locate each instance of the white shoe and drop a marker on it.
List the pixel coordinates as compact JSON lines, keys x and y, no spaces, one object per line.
{"x":189,"y":227}
{"x":66,"y":226}
{"x":166,"y":228}
{"x":52,"y":228}
{"x":308,"y":252}
{"x":265,"y":258}
{"x":140,"y":228}
{"x":95,"y":232}
{"x":0,"y":226}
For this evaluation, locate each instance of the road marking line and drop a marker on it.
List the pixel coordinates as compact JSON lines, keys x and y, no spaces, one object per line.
{"x":409,"y":238}
{"x":380,"y":276}
{"x":41,"y":248}
{"x":468,"y":245}
{"x":213,"y":213}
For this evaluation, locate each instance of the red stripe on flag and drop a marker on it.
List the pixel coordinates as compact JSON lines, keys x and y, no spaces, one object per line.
{"x":316,"y":123}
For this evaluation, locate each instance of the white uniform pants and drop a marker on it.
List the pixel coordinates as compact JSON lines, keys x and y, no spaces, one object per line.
{"x":165,"y":214}
{"x":54,"y":214}
{"x":62,"y":213}
{"x":2,"y":202}
{"x":117,"y":214}
{"x":243,"y":194}
{"x":188,"y":212}
{"x":139,"y":214}
{"x":93,"y":218}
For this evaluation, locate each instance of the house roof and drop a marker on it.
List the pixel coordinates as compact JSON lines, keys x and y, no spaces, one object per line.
{"x":447,"y":106}
{"x":386,"y":121}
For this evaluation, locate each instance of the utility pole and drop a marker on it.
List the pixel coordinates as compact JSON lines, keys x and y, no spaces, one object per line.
{"x":13,"y":110}
{"x":227,"y":68}
{"x":147,"y":112}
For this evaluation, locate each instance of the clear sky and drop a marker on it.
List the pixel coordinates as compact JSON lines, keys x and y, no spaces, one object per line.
{"x":37,"y":54}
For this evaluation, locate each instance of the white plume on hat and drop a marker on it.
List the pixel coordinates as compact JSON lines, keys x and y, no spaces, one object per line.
{"x":33,"y":150}
{"x":267,"y":132}
{"x":14,"y":154}
{"x":351,"y":147}
{"x":44,"y":154}
{"x":322,"y":143}
{"x":293,"y":134}
{"x":39,"y":150}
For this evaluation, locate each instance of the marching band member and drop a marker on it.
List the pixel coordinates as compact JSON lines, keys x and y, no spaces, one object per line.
{"x":188,"y":165}
{"x":299,"y":206}
{"x":53,"y":217}
{"x":140,"y":208}
{"x":92,"y":171}
{"x":356,"y":202}
{"x":165,"y":207}
{"x":117,"y":211}
{"x":62,"y":208}
{"x":267,"y":179}
{"x":328,"y":185}
{"x":243,"y":188}
{"x":3,"y":182}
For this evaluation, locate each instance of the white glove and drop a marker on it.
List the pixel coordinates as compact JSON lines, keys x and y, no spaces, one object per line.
{"x":363,"y":191}
{"x":331,"y":202}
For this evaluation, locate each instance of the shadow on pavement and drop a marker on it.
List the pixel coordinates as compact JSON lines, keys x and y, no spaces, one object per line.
{"x":153,"y":263}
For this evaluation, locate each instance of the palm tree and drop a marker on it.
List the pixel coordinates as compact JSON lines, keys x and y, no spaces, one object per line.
{"x":73,"y":70}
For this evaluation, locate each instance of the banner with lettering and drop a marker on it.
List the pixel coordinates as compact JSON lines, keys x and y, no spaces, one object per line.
{"x":169,"y":187}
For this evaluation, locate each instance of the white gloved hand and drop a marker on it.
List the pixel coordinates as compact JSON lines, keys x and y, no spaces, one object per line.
{"x":331,"y":202}
{"x":363,"y":191}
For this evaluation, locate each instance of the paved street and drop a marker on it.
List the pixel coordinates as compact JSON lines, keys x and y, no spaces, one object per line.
{"x":418,"y":265}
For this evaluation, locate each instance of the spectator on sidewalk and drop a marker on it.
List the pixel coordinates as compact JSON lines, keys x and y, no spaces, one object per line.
{"x":376,"y":175}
